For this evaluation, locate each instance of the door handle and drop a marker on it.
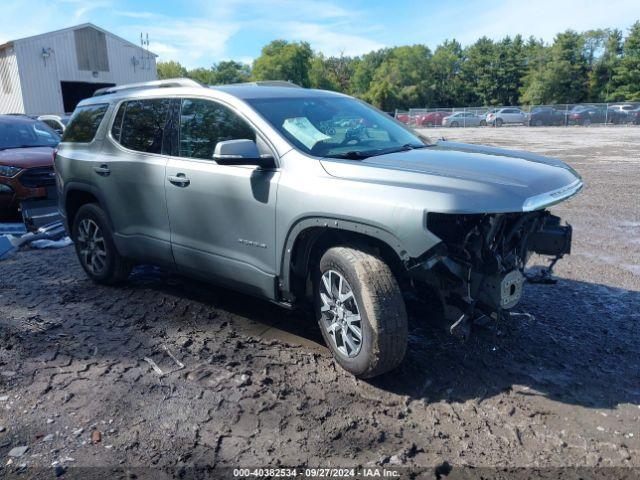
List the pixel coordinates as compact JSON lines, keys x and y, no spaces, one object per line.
{"x":102,"y":170}
{"x":179,"y":179}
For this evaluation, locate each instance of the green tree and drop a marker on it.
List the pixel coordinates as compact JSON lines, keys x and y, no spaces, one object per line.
{"x":562,"y":75}
{"x":170,"y":69}
{"x":230,"y":71}
{"x":480,"y":73}
{"x":403,"y":74}
{"x":383,"y":95}
{"x":321,"y":75}
{"x":202,"y":75}
{"x":282,"y":60}
{"x":364,"y":70}
{"x":511,"y":70}
{"x":446,"y":85}
{"x":604,"y":67}
{"x":627,"y":74}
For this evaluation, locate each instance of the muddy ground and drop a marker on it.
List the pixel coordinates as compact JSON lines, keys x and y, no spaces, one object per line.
{"x":240,"y":382}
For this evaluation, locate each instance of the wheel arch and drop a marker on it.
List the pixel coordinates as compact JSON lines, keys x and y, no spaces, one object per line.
{"x":78,"y":194}
{"x":310,"y":237}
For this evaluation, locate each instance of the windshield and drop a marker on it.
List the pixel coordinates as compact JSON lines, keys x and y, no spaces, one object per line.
{"x":23,"y":134}
{"x":338,"y":127}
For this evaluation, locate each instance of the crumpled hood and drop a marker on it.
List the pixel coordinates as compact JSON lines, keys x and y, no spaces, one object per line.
{"x":464,"y":178}
{"x":27,"y":157}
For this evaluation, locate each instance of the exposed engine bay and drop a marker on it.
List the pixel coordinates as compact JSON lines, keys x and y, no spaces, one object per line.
{"x":479,"y":265}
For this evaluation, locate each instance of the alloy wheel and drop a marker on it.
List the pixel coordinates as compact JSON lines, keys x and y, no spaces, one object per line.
{"x":91,"y":246}
{"x":340,"y":314}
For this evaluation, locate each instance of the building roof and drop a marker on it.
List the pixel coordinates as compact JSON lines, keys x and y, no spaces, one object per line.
{"x":76,"y":27}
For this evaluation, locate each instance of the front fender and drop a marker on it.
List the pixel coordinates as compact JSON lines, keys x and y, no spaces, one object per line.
{"x":335,"y":223}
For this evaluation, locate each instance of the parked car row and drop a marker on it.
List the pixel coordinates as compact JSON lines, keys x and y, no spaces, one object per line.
{"x":537,"y":117}
{"x":26,"y":162}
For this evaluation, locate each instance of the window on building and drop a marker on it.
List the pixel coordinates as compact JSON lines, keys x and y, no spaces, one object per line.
{"x":91,"y":50}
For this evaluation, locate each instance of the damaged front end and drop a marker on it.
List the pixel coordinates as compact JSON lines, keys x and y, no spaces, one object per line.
{"x":478,"y":267}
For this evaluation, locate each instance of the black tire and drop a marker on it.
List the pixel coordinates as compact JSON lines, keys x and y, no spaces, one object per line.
{"x":454,"y":124}
{"x":483,"y":123}
{"x":115,"y":268}
{"x":499,"y":122}
{"x":383,"y":316}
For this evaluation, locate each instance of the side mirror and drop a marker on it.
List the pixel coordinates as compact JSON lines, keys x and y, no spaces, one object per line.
{"x":240,"y":152}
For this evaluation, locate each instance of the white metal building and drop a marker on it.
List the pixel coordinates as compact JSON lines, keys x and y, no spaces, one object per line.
{"x":52,"y":72}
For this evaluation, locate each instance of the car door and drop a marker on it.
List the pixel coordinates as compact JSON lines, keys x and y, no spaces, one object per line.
{"x":130,"y":175}
{"x":510,"y":115}
{"x":222,"y":217}
{"x":504,"y":115}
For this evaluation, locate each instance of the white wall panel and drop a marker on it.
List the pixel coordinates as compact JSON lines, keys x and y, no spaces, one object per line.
{"x":10,"y":90}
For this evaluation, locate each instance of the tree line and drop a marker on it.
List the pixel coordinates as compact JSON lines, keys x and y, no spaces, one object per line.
{"x":593,"y":66}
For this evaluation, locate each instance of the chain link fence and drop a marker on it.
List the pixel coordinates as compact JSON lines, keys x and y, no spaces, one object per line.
{"x":561,"y":115}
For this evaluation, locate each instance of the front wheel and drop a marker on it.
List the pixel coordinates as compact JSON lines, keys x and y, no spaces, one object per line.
{"x":360,"y":311}
{"x":499,"y":122}
{"x":483,"y":123}
{"x":96,"y":251}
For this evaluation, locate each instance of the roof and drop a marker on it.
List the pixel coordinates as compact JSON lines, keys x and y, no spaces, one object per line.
{"x":76,"y":27}
{"x":248,"y":91}
{"x":13,"y":118}
{"x":184,"y":86}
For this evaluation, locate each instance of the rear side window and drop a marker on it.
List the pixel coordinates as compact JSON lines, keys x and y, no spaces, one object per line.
{"x":84,"y":123}
{"x":204,"y":123}
{"x":140,"y":124}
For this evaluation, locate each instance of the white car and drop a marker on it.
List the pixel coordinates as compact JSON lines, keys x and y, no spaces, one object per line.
{"x":463,"y":119}
{"x":57,"y":122}
{"x":507,"y":115}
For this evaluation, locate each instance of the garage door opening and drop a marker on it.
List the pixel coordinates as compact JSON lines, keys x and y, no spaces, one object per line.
{"x":73,"y":92}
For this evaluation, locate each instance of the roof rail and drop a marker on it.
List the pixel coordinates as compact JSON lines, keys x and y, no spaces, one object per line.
{"x":170,"y":82}
{"x":263,"y":83}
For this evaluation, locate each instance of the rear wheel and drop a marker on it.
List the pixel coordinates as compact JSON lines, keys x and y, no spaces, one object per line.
{"x":455,"y":124}
{"x":483,"y":123}
{"x":360,"y":311}
{"x":94,"y":245}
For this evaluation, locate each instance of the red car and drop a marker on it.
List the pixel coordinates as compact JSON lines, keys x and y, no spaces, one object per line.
{"x":26,"y":162}
{"x":431,"y":119}
{"x":403,"y":117}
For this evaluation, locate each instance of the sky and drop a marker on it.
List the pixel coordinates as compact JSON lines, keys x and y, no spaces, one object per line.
{"x":199,"y":33}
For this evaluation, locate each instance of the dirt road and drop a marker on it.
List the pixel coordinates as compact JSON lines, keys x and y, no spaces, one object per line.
{"x":173,"y":373}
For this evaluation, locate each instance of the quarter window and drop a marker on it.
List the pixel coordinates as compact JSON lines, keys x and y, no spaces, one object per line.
{"x":204,"y":123}
{"x":84,"y":123}
{"x":140,"y":124}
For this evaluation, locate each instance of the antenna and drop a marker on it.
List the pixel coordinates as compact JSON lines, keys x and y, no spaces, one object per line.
{"x":146,"y":55}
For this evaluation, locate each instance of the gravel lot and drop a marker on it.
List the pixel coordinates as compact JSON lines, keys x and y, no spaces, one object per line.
{"x":240,"y":382}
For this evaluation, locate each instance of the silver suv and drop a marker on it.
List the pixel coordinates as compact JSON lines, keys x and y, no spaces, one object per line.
{"x":306,"y":197}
